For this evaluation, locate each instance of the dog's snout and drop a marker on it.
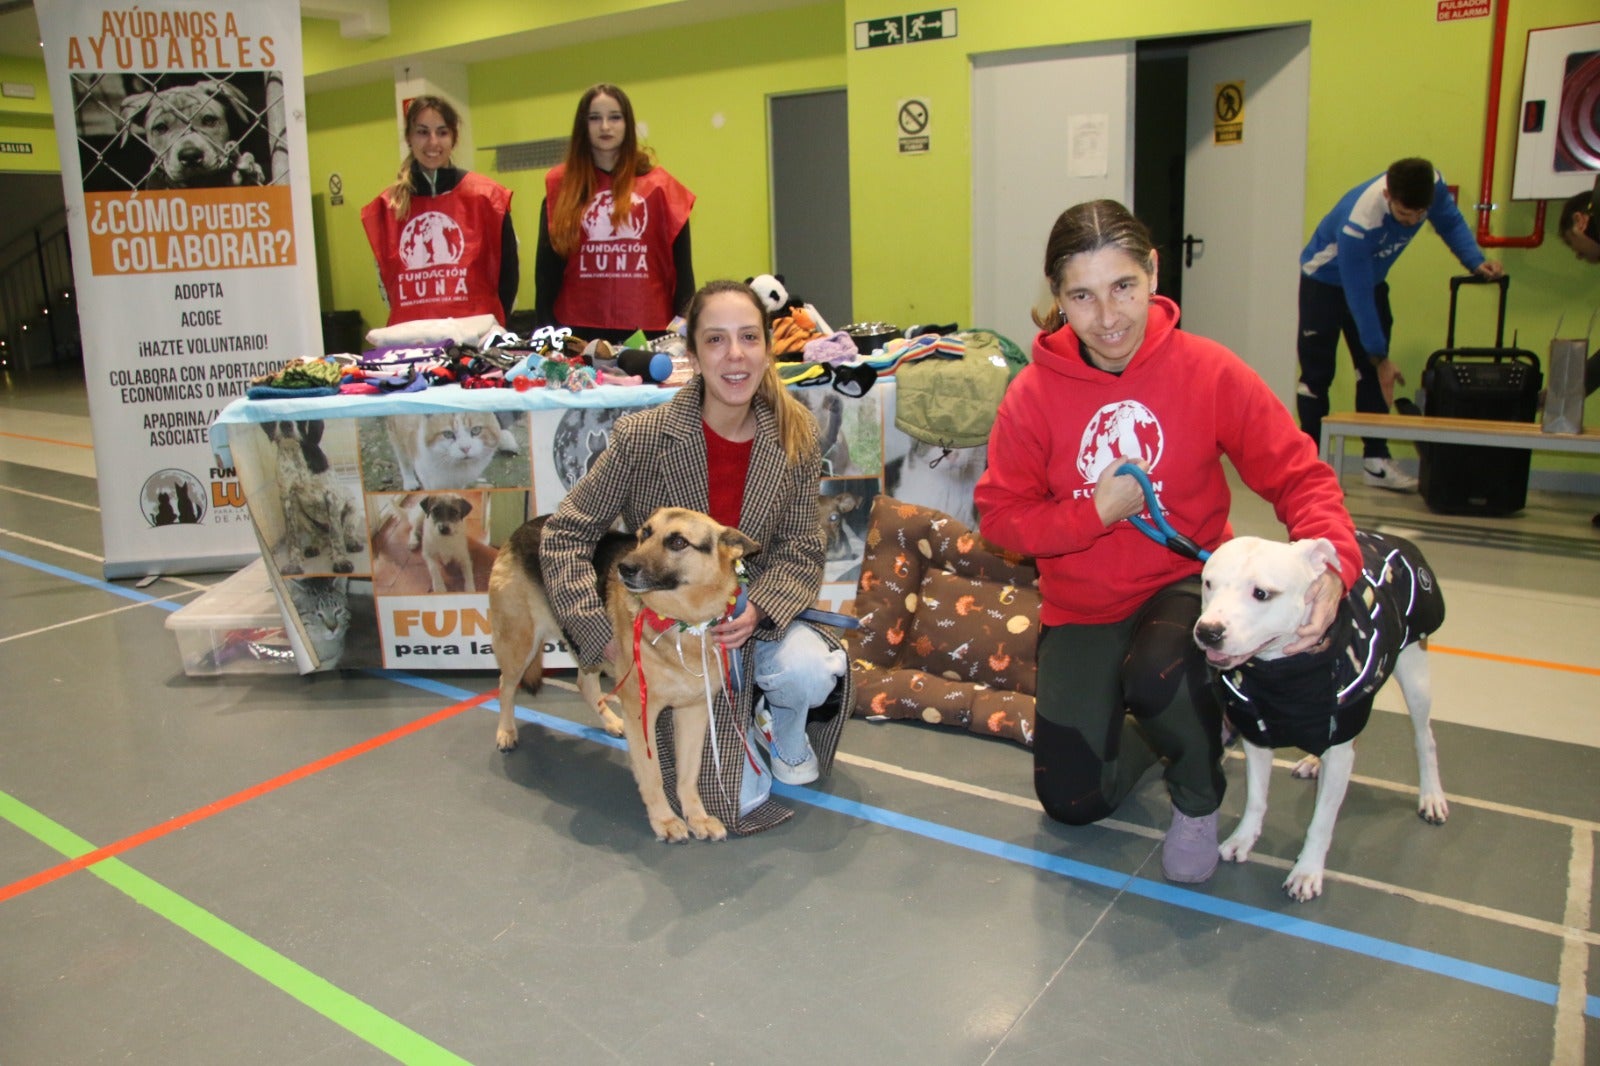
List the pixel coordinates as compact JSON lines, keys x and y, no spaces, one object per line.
{"x":1210,"y":634}
{"x":191,"y":156}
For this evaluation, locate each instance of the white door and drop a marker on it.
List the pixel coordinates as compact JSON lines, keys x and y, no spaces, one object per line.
{"x":1037,"y":149}
{"x":1245,"y":198}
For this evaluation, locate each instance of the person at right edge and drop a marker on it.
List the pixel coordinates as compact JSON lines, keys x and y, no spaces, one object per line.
{"x":1122,"y":684}
{"x":1342,"y":290}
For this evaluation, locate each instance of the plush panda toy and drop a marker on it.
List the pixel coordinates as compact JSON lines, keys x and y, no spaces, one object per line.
{"x":771,"y":289}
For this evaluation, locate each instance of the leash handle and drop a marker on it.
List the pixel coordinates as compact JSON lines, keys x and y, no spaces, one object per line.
{"x":1161,"y":532}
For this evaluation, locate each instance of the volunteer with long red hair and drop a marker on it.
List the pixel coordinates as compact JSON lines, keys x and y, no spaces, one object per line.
{"x":614,"y":230}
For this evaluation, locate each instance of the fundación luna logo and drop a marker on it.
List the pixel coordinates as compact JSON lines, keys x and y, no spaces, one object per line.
{"x":1123,"y":430}
{"x":597,"y":224}
{"x":172,"y":498}
{"x":431,"y":239}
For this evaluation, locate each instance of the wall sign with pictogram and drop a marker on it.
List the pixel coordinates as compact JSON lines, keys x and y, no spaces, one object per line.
{"x":1227,"y":113}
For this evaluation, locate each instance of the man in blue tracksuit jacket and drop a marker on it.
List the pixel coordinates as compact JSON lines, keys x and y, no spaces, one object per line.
{"x":1342,"y":290}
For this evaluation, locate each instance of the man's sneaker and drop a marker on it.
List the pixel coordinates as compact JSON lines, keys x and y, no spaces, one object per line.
{"x":1383,"y":474}
{"x":1189,"y":853}
{"x":807,"y":771}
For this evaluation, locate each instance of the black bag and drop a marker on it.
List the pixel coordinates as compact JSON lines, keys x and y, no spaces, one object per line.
{"x":1495,"y":383}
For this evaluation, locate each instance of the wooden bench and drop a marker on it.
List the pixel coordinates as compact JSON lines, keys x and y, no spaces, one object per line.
{"x":1479,"y":431}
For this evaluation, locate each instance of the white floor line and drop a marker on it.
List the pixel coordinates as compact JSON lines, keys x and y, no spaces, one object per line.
{"x":1574,"y":931}
{"x":1579,"y":933}
{"x":52,"y":545}
{"x":92,"y":617}
{"x":50,"y":499}
{"x":1465,"y":801}
{"x":1573,"y":984}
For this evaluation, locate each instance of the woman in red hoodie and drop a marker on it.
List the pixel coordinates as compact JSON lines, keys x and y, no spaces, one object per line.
{"x":1121,"y":683}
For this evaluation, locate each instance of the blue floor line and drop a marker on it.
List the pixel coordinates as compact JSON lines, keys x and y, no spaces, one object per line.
{"x":1357,"y":943}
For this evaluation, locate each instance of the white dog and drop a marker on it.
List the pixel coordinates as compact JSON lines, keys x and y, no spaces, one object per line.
{"x":1253,"y":599}
{"x":191,"y":131}
{"x":437,"y":530}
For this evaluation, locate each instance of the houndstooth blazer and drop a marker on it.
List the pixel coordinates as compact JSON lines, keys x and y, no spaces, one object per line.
{"x":657,"y":458}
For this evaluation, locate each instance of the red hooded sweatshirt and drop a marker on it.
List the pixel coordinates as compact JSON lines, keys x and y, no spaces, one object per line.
{"x":1182,"y":404}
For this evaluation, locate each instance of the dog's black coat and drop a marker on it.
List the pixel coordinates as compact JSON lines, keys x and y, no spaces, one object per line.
{"x":1321,"y":698}
{"x":525,"y":543}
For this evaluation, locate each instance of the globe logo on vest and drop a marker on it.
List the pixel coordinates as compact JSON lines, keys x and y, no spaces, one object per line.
{"x":598,"y":226}
{"x":1123,"y":430}
{"x":431,"y":239}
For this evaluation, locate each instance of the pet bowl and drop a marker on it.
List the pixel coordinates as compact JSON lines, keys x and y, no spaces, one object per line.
{"x":870,"y":336}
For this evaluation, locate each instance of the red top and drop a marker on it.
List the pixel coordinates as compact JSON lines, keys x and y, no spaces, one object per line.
{"x":727,"y":465}
{"x":623,"y":277}
{"x":443,"y":259}
{"x":1182,"y":404}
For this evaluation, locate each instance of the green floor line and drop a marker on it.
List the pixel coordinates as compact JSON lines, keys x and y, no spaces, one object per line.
{"x":322,"y":996}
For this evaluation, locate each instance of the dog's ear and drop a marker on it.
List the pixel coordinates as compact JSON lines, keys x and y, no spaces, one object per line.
{"x":466,"y":505}
{"x":1320,"y":553}
{"x":131,"y":112}
{"x":427,"y":504}
{"x":738,"y":545}
{"x":848,"y":501}
{"x":231,"y":95}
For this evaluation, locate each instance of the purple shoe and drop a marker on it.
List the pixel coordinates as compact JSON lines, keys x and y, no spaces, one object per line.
{"x":1189,"y":852}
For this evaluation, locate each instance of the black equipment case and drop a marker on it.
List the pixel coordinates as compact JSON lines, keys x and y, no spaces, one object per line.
{"x":1496,"y":383}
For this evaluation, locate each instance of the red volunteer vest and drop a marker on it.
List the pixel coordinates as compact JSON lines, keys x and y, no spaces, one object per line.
{"x":623,"y":277}
{"x":443,"y":260}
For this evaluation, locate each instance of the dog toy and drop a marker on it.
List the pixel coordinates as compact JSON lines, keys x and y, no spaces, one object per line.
{"x":1161,"y":532}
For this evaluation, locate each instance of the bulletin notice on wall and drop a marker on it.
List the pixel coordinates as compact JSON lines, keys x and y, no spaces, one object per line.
{"x":189,"y":212}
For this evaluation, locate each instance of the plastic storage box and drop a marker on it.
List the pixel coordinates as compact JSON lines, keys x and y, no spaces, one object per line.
{"x":235,"y":628}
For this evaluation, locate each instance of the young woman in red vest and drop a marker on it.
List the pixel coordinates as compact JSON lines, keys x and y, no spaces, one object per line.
{"x":613,"y":231}
{"x":442,"y":236}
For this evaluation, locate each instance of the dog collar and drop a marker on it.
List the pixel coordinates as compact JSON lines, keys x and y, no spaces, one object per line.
{"x":660,"y":623}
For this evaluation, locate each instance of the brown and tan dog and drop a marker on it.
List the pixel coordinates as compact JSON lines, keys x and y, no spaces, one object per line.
{"x":678,"y":573}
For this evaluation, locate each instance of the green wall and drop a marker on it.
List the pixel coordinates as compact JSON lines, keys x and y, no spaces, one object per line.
{"x":1387,"y":81}
{"x":27,"y":121}
{"x":705,"y":112}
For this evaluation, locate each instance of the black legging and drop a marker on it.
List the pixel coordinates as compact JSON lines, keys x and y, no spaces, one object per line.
{"x":1112,"y":699}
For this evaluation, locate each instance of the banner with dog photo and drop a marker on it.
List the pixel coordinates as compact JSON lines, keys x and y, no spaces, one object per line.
{"x":189,"y":214}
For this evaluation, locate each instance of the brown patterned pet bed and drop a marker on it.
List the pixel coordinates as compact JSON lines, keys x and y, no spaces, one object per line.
{"x":949,"y":625}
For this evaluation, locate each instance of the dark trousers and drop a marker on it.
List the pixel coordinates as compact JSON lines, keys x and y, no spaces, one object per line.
{"x":1113,"y":700}
{"x":1324,"y":316}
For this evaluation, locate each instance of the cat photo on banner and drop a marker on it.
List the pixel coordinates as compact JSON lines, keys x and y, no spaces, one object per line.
{"x":446,"y":450}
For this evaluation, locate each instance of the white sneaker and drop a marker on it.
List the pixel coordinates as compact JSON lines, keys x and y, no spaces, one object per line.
{"x":802,"y":773}
{"x":1383,"y":474}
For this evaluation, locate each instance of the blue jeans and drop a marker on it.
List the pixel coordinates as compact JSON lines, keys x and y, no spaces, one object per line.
{"x":795,"y":673}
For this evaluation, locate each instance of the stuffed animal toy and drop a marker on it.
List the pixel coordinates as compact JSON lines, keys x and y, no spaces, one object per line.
{"x":774,"y":294}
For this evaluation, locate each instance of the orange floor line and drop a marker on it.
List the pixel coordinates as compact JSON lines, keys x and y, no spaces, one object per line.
{"x":47,"y":440}
{"x":1588,"y":671}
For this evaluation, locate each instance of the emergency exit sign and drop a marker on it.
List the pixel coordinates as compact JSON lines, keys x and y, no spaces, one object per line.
{"x":906,"y":29}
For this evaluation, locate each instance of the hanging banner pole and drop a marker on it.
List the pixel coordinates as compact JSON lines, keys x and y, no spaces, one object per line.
{"x":183,"y":159}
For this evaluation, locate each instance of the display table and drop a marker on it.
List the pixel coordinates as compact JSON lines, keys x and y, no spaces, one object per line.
{"x":336,"y":487}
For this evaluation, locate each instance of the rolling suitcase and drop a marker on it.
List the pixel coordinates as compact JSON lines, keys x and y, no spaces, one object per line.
{"x":1495,"y":383}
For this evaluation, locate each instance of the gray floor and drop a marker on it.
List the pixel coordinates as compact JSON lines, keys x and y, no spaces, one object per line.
{"x":333,"y":894}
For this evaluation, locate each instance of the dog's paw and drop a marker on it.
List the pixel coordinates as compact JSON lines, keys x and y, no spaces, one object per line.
{"x":292,"y":568}
{"x":311,"y":551}
{"x":506,"y":739}
{"x":1433,"y":808}
{"x":608,"y":718}
{"x":708,"y":827}
{"x":1307,"y":769}
{"x":352,"y":545}
{"x":1237,"y":847}
{"x":1304,"y":882}
{"x":344,"y":566}
{"x":670,"y":829}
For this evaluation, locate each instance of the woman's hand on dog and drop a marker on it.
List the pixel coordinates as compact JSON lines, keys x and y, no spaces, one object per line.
{"x":1322,"y":603}
{"x":733,"y":632}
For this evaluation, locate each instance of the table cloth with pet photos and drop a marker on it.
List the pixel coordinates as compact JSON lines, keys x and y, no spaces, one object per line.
{"x":379,"y":516}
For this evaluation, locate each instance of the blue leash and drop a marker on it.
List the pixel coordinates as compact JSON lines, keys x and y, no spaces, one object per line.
{"x":1162,"y":532}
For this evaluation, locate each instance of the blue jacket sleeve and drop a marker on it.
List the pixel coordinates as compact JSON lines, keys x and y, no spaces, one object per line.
{"x":1355,"y":277}
{"x":1452,"y":228}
